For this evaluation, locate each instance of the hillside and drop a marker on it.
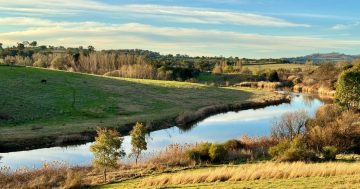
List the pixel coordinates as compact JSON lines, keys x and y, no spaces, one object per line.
{"x":50,"y":106}
{"x":323,"y":58}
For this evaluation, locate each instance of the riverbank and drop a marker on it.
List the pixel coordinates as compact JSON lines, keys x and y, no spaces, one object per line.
{"x":68,"y":107}
{"x":299,"y":88}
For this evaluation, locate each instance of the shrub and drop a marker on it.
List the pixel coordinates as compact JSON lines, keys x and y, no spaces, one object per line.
{"x":334,"y":127}
{"x":329,"y":153}
{"x":232,"y":145}
{"x":273,"y":76}
{"x":217,"y":153}
{"x":200,"y":152}
{"x":295,"y":150}
{"x":280,"y":148}
{"x":348,"y":88}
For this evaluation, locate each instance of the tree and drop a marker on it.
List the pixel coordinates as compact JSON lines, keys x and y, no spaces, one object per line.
{"x":348,"y":88}
{"x":273,"y":76}
{"x":33,"y":44}
{"x":1,"y":45}
{"x":290,"y":125}
{"x":107,"y":149}
{"x":20,"y":46}
{"x":91,"y":48}
{"x":138,"y":140}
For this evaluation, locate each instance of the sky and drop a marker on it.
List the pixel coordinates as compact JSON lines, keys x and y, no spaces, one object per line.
{"x":238,"y":28}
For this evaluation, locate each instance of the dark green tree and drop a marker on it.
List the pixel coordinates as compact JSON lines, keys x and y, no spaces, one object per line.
{"x":33,"y":44}
{"x":273,"y":76}
{"x":348,"y":88}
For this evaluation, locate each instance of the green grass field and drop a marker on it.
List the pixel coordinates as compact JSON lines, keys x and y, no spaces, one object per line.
{"x":72,"y":102}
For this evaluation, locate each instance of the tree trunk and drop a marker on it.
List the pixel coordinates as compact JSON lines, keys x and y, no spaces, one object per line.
{"x":105,"y":175}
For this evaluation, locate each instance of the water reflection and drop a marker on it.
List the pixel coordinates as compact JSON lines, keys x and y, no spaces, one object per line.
{"x":217,"y":128}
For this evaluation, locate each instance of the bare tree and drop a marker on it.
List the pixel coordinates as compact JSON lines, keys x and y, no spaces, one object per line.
{"x":289,"y":125}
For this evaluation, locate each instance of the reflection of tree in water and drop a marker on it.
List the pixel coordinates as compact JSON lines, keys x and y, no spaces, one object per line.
{"x":187,"y":127}
{"x":308,"y":100}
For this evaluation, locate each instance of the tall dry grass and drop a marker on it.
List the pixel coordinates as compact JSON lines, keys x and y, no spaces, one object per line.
{"x":269,"y":170}
{"x":51,"y":175}
{"x":173,"y":155}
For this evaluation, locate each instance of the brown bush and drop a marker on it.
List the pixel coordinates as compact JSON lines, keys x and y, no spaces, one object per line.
{"x":334,"y":127}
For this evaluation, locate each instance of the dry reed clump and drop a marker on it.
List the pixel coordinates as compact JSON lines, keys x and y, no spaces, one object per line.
{"x":173,"y":155}
{"x":261,"y":84}
{"x":269,"y":170}
{"x":257,"y":146}
{"x":51,"y":175}
{"x":314,"y":89}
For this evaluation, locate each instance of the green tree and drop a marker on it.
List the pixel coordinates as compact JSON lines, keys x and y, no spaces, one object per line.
{"x":273,"y":76}
{"x":217,"y":153}
{"x":348,"y":88}
{"x":91,"y":48}
{"x":138,"y":140}
{"x":107,"y":149}
{"x":33,"y":44}
{"x":20,"y":46}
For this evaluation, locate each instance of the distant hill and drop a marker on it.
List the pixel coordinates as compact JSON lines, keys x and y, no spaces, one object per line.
{"x":323,"y":58}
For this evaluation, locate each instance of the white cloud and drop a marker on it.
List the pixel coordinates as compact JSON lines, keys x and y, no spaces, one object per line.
{"x":164,"y":39}
{"x":169,"y":13}
{"x":345,"y":26}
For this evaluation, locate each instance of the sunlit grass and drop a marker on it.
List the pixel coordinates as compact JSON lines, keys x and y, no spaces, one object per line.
{"x":259,"y":175}
{"x":31,"y":108}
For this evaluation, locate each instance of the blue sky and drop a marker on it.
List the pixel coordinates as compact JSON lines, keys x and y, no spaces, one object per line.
{"x":243,"y":28}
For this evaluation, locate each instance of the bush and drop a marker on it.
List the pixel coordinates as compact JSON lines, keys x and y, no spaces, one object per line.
{"x":294,"y":150}
{"x":280,"y":148}
{"x":329,"y":153}
{"x":232,"y":145}
{"x":348,"y":88}
{"x":273,"y":76}
{"x":200,"y":152}
{"x":217,"y":153}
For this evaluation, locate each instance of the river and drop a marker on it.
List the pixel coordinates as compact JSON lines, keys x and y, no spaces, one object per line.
{"x":217,"y":128}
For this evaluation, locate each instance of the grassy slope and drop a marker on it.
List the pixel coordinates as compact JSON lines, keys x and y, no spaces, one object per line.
{"x":26,"y":103}
{"x":268,"y":175}
{"x":255,"y":68}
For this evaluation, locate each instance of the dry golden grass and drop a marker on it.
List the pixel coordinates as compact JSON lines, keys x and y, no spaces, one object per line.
{"x":53,"y":175}
{"x":269,"y":170}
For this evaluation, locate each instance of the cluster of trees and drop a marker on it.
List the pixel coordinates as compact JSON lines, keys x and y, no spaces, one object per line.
{"x":333,"y":130}
{"x":107,"y":147}
{"x":125,"y":63}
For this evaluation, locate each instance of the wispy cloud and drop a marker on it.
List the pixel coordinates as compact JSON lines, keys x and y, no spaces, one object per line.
{"x":169,"y":13}
{"x":345,"y":26}
{"x":190,"y":41}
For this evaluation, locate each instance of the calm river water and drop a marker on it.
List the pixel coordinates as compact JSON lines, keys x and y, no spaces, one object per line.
{"x":216,"y":128}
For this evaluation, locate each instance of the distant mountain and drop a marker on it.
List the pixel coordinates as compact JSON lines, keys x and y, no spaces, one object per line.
{"x":323,"y":58}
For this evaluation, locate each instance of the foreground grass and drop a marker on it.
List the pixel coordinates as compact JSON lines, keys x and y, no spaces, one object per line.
{"x":260,"y":175}
{"x":71,"y":103}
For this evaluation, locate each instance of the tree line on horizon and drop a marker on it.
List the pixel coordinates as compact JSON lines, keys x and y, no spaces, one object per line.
{"x":134,"y":63}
